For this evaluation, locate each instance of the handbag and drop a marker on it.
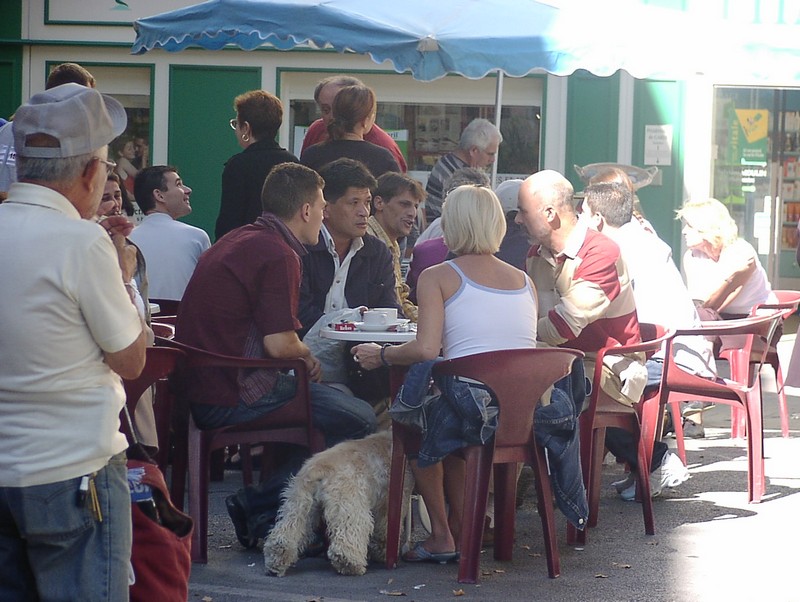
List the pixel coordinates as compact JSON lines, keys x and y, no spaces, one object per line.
{"x":162,"y":538}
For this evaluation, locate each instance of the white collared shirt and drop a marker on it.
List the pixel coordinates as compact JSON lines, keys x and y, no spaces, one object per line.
{"x":335,"y":298}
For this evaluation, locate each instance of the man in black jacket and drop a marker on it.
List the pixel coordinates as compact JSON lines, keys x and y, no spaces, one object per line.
{"x":347,"y":267}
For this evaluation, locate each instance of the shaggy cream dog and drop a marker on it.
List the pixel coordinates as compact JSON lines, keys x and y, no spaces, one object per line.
{"x":347,"y":486}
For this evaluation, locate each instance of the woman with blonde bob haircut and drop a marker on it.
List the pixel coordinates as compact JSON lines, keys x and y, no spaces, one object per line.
{"x":723,"y":273}
{"x":475,"y":225}
{"x":471,"y":304}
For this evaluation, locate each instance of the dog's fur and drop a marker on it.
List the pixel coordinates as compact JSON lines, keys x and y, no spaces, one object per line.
{"x":347,"y":486}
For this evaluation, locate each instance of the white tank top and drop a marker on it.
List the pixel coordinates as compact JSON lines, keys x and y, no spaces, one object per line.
{"x":478,"y":318}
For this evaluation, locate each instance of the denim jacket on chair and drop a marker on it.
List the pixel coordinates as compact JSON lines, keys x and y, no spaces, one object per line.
{"x":556,"y":428}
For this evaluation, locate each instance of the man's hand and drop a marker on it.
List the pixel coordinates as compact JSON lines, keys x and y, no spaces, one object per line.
{"x":116,"y":224}
{"x":126,"y":255}
{"x":314,"y":368}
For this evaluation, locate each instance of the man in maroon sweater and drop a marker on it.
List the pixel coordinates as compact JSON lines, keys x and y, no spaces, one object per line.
{"x":324,"y":94}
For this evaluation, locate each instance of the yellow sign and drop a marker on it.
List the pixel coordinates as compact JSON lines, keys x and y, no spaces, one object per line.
{"x":754,"y":122}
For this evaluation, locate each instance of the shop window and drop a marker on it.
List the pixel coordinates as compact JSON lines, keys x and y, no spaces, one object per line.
{"x":424,"y":132}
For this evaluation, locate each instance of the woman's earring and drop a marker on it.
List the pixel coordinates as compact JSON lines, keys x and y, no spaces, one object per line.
{"x":246,"y":137}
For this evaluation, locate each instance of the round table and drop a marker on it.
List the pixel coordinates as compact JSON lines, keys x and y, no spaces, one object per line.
{"x":371,"y":336}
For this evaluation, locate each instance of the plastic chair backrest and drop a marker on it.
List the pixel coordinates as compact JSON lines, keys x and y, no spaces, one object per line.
{"x":749,"y":336}
{"x":163,"y":330}
{"x":167,"y":307}
{"x":787,"y":301}
{"x":654,"y":337}
{"x":518,"y":378}
{"x":160,"y":362}
{"x":199,"y":358}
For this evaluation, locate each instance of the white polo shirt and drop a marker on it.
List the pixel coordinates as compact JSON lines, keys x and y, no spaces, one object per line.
{"x":171,"y":250}
{"x":62,"y":304}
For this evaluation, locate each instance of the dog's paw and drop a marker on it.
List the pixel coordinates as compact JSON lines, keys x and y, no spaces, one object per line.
{"x":275,"y":564}
{"x":347,"y":566}
{"x":350,"y":570}
{"x":275,"y":571}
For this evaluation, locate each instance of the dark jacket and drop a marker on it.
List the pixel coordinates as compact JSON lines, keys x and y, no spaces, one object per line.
{"x":370,"y":280}
{"x":556,"y":429}
{"x":454,"y":420}
{"x":242,"y":180}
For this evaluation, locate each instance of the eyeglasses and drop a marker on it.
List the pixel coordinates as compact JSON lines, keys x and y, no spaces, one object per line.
{"x":234,"y":124}
{"x":110,"y":165}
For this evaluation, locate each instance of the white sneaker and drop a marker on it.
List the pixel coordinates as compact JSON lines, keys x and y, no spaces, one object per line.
{"x":670,"y":474}
{"x":673,"y":472}
{"x":629,"y":494}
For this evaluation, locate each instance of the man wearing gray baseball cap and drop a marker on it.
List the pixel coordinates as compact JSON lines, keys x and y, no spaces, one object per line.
{"x":69,"y":332}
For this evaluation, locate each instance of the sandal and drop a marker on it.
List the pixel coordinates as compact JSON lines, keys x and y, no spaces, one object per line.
{"x":419,"y":554}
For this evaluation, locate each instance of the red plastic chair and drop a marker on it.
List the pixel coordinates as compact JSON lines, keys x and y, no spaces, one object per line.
{"x":163,"y":330}
{"x":642,"y":420}
{"x":518,"y":378}
{"x":740,"y":340}
{"x":160,"y":362}
{"x":788,"y":302}
{"x":166,"y":307}
{"x":291,"y":423}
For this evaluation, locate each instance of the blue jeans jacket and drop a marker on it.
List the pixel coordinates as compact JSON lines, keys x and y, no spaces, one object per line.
{"x":460,"y":416}
{"x":556,"y":429}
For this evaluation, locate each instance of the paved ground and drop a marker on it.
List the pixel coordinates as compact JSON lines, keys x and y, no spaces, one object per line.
{"x":709,"y":543}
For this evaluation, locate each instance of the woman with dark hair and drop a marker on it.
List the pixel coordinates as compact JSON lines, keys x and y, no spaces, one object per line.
{"x":354,"y":109}
{"x":115,"y":191}
{"x":124,"y":154}
{"x":258,"y":118}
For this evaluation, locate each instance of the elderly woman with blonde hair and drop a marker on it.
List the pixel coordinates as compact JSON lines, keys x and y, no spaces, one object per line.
{"x":471,"y":304}
{"x":723,"y":273}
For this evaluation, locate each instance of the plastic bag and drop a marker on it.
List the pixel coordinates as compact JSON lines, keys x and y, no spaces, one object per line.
{"x":329,"y":352}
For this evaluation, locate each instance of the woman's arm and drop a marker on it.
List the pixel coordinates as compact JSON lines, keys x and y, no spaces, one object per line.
{"x":732,"y":285}
{"x":428,"y":343}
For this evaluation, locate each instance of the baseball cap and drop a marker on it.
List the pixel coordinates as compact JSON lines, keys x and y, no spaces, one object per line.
{"x":79,"y":118}
{"x":507,"y":191}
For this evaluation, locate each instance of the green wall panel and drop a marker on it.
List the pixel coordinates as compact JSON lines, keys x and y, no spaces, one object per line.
{"x":661,"y":103}
{"x":200,"y":139}
{"x":10,"y":80}
{"x":10,"y":56}
{"x":592,"y":122}
{"x":11,"y":19}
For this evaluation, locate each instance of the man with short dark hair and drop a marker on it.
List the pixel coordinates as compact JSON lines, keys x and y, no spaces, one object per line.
{"x":242,"y":301}
{"x":346,"y":267}
{"x":69,"y":332}
{"x":171,"y":248}
{"x":609,"y":209}
{"x":64,"y":73}
{"x":395,"y":205}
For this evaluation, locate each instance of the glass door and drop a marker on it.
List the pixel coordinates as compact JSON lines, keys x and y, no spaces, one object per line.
{"x":749,"y":173}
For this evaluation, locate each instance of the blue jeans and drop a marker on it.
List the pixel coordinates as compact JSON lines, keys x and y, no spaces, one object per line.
{"x":338,"y":415}
{"x":622,"y":444}
{"x":53,"y":549}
